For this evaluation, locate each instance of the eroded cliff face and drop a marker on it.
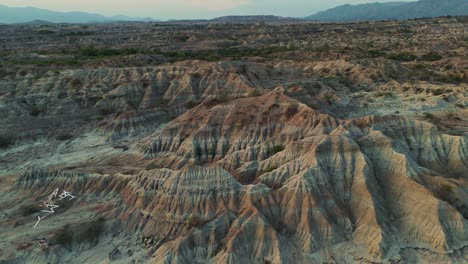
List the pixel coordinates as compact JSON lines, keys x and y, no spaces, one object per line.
{"x":267,"y":178}
{"x":278,"y":161}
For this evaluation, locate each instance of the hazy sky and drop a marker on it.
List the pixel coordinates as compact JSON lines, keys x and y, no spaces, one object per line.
{"x":167,"y":9}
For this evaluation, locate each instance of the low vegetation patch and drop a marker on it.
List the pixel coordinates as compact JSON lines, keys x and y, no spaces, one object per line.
{"x":254,"y":93}
{"x":293,"y":108}
{"x":92,"y":51}
{"x":106,"y":111}
{"x":402,"y":56}
{"x":194,"y":221}
{"x":84,"y":233}
{"x":191,"y":104}
{"x":36,"y":111}
{"x":29,"y":209}
{"x":162,"y":102}
{"x":64,"y":137}
{"x":275,"y":149}
{"x":90,"y":232}
{"x":449,"y":78}
{"x":269,"y":169}
{"x":429,"y":116}
{"x":64,"y":236}
{"x":6,"y":140}
{"x":431,"y":56}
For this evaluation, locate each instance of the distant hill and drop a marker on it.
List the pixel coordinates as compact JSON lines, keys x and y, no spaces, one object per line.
{"x":393,"y":10}
{"x":238,"y":19}
{"x":251,"y":19}
{"x":29,"y":14}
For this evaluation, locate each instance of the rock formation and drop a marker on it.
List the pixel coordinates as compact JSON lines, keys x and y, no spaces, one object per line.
{"x":311,"y":154}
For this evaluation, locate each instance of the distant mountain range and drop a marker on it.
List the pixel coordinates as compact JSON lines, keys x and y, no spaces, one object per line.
{"x":344,"y":13}
{"x":29,"y":14}
{"x":239,"y":19}
{"x":393,"y":10}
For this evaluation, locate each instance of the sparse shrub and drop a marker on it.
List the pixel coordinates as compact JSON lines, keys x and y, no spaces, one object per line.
{"x":402,"y":56}
{"x":106,"y":111}
{"x":194,"y":221}
{"x":275,"y":149}
{"x":329,"y":97}
{"x":374,"y":54}
{"x":269,"y":169}
{"x":449,"y":78}
{"x":29,"y":209}
{"x":91,"y":231}
{"x":92,"y":51}
{"x":254,"y":93}
{"x":276,"y":186}
{"x":452,"y":115}
{"x":23,"y":246}
{"x":293,"y":108}
{"x":64,"y":204}
{"x":64,"y":137}
{"x":405,"y":31}
{"x":223,"y":97}
{"x":444,"y":190}
{"x":439,"y":91}
{"x":64,"y":236}
{"x":162,"y":102}
{"x":420,"y":66}
{"x":388,"y":94}
{"x":429,"y":115}
{"x":45,"y":32}
{"x":35,"y":111}
{"x":431,"y":56}
{"x":191,"y":104}
{"x":6,"y":140}
{"x":269,"y":69}
{"x":152,"y":166}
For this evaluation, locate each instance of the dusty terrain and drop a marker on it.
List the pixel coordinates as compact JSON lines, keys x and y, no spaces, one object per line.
{"x":235,"y":143}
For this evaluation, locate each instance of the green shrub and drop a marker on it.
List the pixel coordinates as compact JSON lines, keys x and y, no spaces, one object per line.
{"x":194,"y":221}
{"x":447,"y":189}
{"x":90,"y":232}
{"x":45,"y":32}
{"x":269,"y":169}
{"x":275,"y":149}
{"x":191,"y":104}
{"x":64,"y":137}
{"x":254,"y":93}
{"x":162,"y":102}
{"x":429,"y":115}
{"x":374,"y":54}
{"x":387,"y":94}
{"x":64,"y":236}
{"x":269,"y":69}
{"x":405,"y":30}
{"x":92,"y":51}
{"x":29,"y":209}
{"x":293,"y":108}
{"x":431,"y":56}
{"x":402,"y":56}
{"x":6,"y":140}
{"x":420,"y":66}
{"x":35,"y":111}
{"x":450,"y":78}
{"x":276,"y":186}
{"x":106,"y":111}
